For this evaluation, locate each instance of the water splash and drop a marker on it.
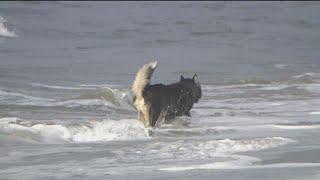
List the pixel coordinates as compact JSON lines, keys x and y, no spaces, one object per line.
{"x":3,"y":29}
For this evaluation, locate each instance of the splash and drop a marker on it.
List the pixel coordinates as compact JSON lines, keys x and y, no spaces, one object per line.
{"x":4,"y":31}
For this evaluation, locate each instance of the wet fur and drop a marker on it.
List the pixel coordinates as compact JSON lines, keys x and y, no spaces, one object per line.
{"x":161,"y":103}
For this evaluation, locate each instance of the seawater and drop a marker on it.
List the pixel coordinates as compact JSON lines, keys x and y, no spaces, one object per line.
{"x":66,"y":69}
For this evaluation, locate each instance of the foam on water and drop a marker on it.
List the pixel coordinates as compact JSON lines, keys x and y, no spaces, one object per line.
{"x":236,"y":165}
{"x":232,"y":146}
{"x":110,"y":130}
{"x":226,"y":148}
{"x":314,"y":113}
{"x":91,"y":131}
{"x":240,"y":161}
{"x":4,"y":31}
{"x":297,"y":127}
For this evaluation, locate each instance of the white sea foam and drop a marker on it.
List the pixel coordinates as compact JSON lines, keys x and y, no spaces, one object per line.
{"x":236,"y":165}
{"x":314,"y":113}
{"x":233,"y":146}
{"x":4,"y":31}
{"x":297,"y":127}
{"x":226,"y":148}
{"x":110,"y":130}
{"x":92,"y":131}
{"x":239,"y":161}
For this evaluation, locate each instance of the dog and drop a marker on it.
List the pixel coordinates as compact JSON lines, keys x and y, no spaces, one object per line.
{"x":159,"y":103}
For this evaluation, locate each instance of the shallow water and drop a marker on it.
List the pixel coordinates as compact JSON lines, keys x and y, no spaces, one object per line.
{"x":66,"y":69}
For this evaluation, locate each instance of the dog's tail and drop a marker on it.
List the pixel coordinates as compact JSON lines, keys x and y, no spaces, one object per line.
{"x":143,"y":78}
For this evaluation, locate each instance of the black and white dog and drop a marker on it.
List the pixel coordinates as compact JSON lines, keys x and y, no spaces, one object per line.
{"x":162,"y":103}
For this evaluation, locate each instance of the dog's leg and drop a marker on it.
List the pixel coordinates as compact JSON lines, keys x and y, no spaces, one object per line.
{"x":143,"y":119}
{"x":156,"y":116}
{"x":147,"y":116}
{"x":140,"y":116}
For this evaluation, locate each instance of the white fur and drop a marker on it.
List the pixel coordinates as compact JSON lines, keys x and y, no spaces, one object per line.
{"x":141,"y":81}
{"x":143,"y":78}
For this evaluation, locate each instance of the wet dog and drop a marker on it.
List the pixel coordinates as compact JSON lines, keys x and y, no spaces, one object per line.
{"x":159,"y":103}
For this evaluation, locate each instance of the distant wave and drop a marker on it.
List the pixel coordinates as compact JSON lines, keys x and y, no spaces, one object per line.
{"x":4,"y":31}
{"x":91,"y":131}
{"x":309,"y":77}
{"x":309,"y":74}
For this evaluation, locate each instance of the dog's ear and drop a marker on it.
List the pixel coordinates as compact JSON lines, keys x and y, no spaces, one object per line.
{"x":195,"y":79}
{"x":181,"y":78}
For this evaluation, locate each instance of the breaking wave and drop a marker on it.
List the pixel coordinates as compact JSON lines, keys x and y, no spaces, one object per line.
{"x":91,"y":131}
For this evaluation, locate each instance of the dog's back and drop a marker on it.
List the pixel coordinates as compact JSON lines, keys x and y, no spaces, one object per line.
{"x":168,"y":101}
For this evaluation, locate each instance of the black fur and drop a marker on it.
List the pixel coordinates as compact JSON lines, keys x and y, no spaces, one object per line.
{"x":169,"y":101}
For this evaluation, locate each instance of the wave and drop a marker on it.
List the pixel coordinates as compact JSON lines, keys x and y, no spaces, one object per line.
{"x":108,"y":97}
{"x":296,"y":127}
{"x":91,"y":131}
{"x":309,"y":77}
{"x":249,"y":81}
{"x":173,"y":130}
{"x":237,"y":165}
{"x":101,"y":85}
{"x":314,"y":113}
{"x":225,"y":149}
{"x":238,"y":162}
{"x":4,"y":31}
{"x":61,"y":87}
{"x":118,"y":97}
{"x":232,"y":146}
{"x":79,"y":87}
{"x":9,"y":98}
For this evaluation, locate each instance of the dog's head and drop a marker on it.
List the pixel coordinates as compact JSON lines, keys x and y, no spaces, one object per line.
{"x":194,"y":85}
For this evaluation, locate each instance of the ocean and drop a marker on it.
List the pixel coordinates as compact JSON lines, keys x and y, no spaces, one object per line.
{"x":66,"y":70}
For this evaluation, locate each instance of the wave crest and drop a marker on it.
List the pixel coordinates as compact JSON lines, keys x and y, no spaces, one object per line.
{"x":92,"y":131}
